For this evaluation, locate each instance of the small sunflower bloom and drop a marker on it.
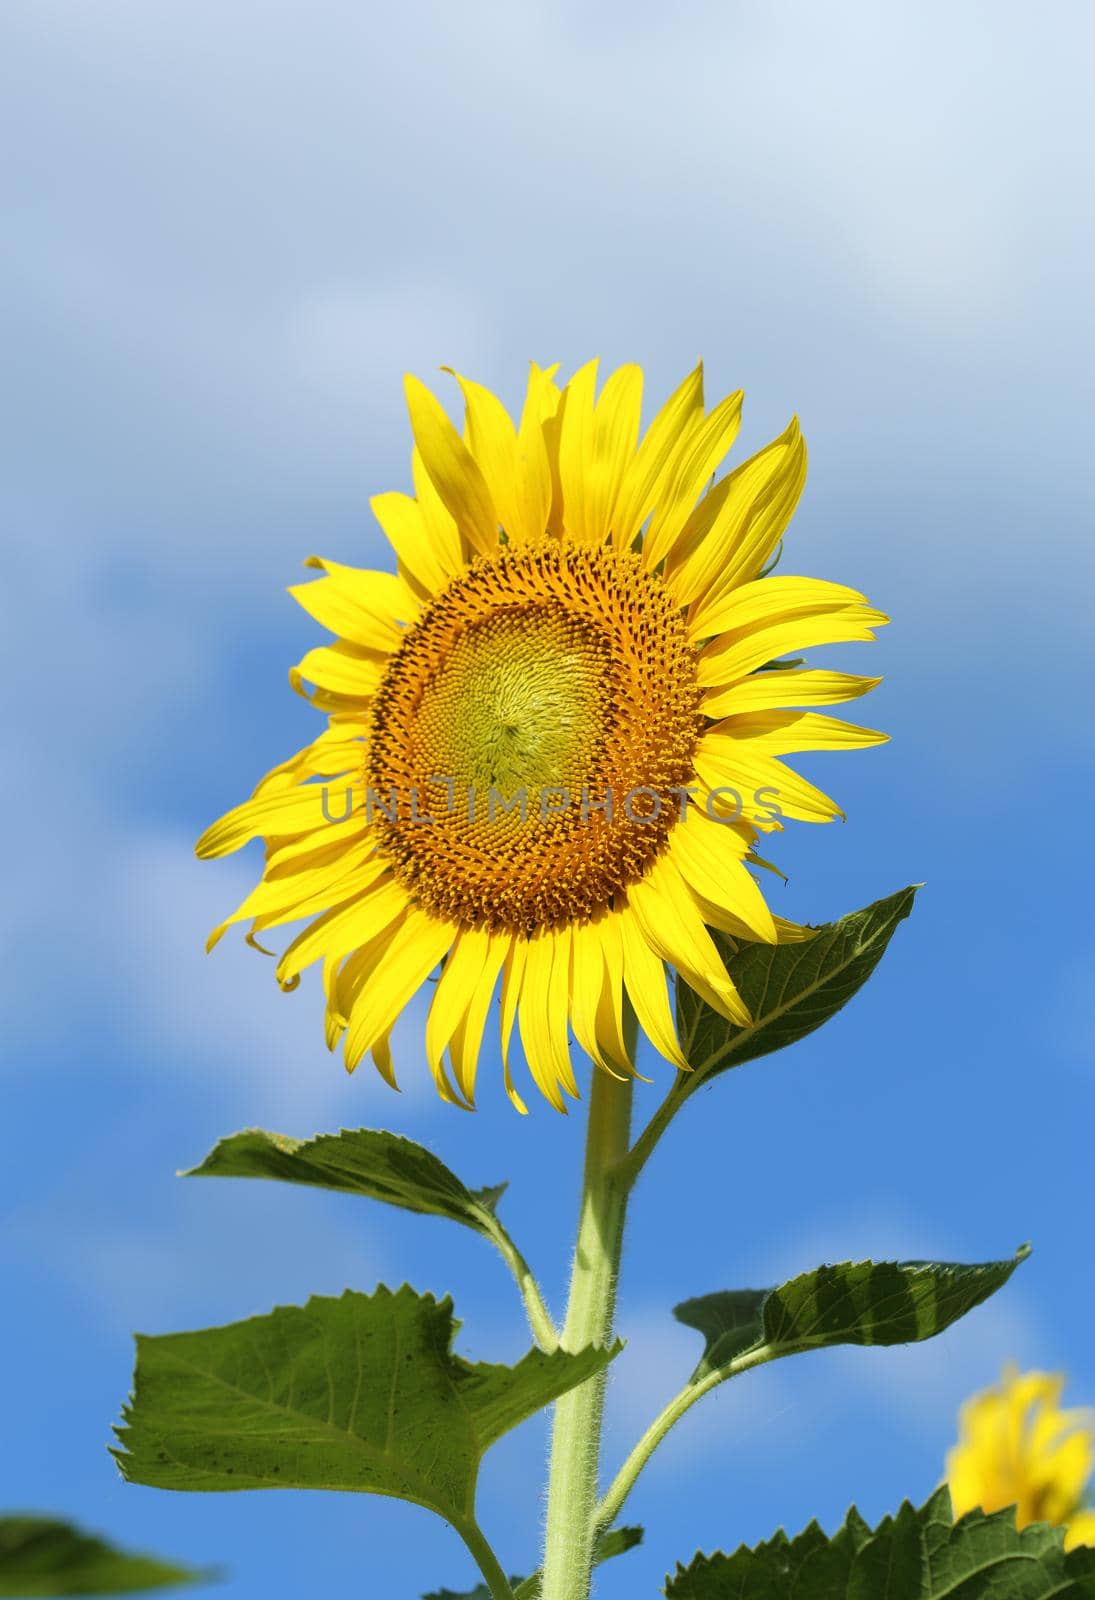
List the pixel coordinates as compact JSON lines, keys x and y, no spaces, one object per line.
{"x":1017,"y":1447}
{"x":554,"y":734}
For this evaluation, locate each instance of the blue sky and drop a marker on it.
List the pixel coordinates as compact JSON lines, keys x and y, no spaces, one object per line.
{"x":231,"y":230}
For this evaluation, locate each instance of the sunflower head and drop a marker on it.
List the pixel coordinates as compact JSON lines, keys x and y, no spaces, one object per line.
{"x":1018,"y":1447}
{"x":553,"y":734}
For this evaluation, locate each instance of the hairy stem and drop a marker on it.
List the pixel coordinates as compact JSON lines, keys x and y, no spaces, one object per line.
{"x":576,"y":1431}
{"x":633,"y":1161}
{"x":485,"y":1560}
{"x":539,"y":1317}
{"x":610,"y":1506}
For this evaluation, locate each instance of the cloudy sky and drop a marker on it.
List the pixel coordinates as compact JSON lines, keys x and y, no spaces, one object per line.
{"x":230,"y":230}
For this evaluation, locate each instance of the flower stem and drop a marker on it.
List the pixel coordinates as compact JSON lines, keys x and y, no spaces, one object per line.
{"x":612,"y":1503}
{"x":485,"y":1560}
{"x":540,"y":1321}
{"x":576,"y":1431}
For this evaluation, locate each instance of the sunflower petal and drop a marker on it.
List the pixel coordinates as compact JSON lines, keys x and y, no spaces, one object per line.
{"x":410,"y":956}
{"x":534,"y":1016}
{"x":649,"y":467}
{"x":467,"y":1037}
{"x":533,"y":478}
{"x":727,"y":660}
{"x":345,"y":928}
{"x":576,"y":435}
{"x":731,"y":534}
{"x":298,"y":810}
{"x":644,"y":975}
{"x":455,"y":992}
{"x":711,"y":860}
{"x":693,"y":465}
{"x":452,"y":468}
{"x":771,"y":691}
{"x":432,"y":563}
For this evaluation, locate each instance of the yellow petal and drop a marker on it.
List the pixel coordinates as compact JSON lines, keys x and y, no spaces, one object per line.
{"x":382,"y":1059}
{"x":576,"y":454}
{"x":533,"y":488}
{"x":732,"y":533}
{"x":289,"y":856}
{"x":766,"y":602}
{"x":332,"y":754}
{"x":647,"y":471}
{"x":610,"y":1001}
{"x":785,"y":733}
{"x":692,"y":467}
{"x":759,"y":785}
{"x":726,"y":660}
{"x":456,"y":988}
{"x":512,"y":974}
{"x":345,"y":928}
{"x":284,"y":899}
{"x":364,"y":607}
{"x":673,"y":927}
{"x":344,"y":977}
{"x":644,"y":975}
{"x":587,"y":978}
{"x":297,"y":810}
{"x":432,"y":562}
{"x":1080,"y":1529}
{"x":413,"y":952}
{"x":536,"y":1019}
{"x":767,"y":691}
{"x":453,"y":549}
{"x":709,"y":857}
{"x":615,"y":433}
{"x":492,"y":440}
{"x":467,"y":1037}
{"x":452,"y":468}
{"x":342,"y":668}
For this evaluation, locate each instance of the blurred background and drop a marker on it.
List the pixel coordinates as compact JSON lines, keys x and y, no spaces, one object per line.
{"x":230,"y":230}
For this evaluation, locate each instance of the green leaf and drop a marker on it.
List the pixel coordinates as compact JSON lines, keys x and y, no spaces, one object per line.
{"x":862,"y":1302}
{"x":916,"y":1555}
{"x":790,"y":989}
{"x":381,"y":1166}
{"x":42,"y":1555}
{"x":362,"y":1392}
{"x":613,"y":1543}
{"x":364,"y":1161}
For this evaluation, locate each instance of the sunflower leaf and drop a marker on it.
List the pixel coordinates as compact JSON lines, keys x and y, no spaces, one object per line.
{"x":861,"y":1302}
{"x":363,"y":1392}
{"x":44,"y":1556}
{"x":790,"y":989}
{"x":916,"y":1555}
{"x":381,"y":1166}
{"x":366,"y":1161}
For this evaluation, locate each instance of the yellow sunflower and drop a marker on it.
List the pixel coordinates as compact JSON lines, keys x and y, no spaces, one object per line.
{"x":554,"y":733}
{"x":1017,"y":1447}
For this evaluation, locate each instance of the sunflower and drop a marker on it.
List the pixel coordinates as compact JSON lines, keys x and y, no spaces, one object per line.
{"x":1017,"y":1447}
{"x":554,"y":734}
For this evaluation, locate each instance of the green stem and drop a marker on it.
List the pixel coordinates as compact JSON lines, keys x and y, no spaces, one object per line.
{"x":610,"y":1506}
{"x":576,"y":1431}
{"x":485,"y":1560}
{"x":539,"y":1317}
{"x":634,"y":1160}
